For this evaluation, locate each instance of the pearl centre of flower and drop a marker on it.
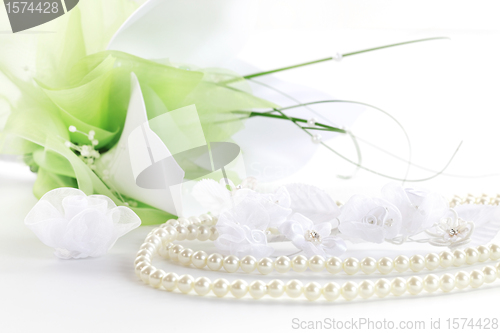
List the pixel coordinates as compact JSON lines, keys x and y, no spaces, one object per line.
{"x":312,"y":236}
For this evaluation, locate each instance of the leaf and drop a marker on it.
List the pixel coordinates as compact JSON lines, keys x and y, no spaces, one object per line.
{"x":486,"y":220}
{"x":312,"y":202}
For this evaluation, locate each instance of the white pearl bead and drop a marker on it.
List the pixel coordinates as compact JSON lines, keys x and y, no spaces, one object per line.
{"x":414,"y":285}
{"x":385,"y":265}
{"x":139,"y":267}
{"x":366,"y":289}
{"x":349,"y":290}
{"x":163,"y":251}
{"x":248,"y":264}
{"x":331,"y":291}
{"x":446,"y":258}
{"x":144,"y":253}
{"x":382,"y":288}
{"x":206,"y":219}
{"x":490,"y":274}
{"x":183,"y":221}
{"x":156,"y":277}
{"x":275,"y":288}
{"x":148,"y":246}
{"x":192,"y":232}
{"x":231,"y":263}
{"x":257,"y":289}
{"x":142,"y":259}
{"x":174,"y":251}
{"x":401,"y":264}
{"x":299,"y":263}
{"x":172,"y":234}
{"x":462,"y":280}
{"x":203,"y":233}
{"x":182,"y":232}
{"x":164,"y":236}
{"x":214,"y":234}
{"x":195,"y":220}
{"x":317,"y":263}
{"x":368,"y":265}
{"x":476,"y":278}
{"x":202,"y":286}
{"x":431,"y":283}
{"x":172,"y":222}
{"x":316,"y":138}
{"x":447,"y":282}
{"x":471,"y":255}
{"x":185,"y":283}
{"x":398,"y":286}
{"x":494,"y":252}
{"x":145,"y":272}
{"x":484,"y":253}
{"x":185,"y":256}
{"x":238,"y":288}
{"x":417,"y":263}
{"x":265,"y":266}
{"x":432,"y":261}
{"x":220,"y":287}
{"x":154,"y":240}
{"x":294,"y":288}
{"x":351,"y":266}
{"x":282,"y":264}
{"x":169,"y":281}
{"x":199,"y":259}
{"x":334,"y":265}
{"x":312,"y":291}
{"x":460,"y":258}
{"x":214,"y":261}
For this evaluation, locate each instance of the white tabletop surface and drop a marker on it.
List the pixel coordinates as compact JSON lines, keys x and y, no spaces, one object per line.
{"x":443,"y":92}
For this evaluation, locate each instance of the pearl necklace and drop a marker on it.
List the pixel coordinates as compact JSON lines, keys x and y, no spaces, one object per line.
{"x":160,"y":240}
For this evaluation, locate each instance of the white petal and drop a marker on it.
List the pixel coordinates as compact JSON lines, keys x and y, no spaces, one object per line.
{"x":312,"y":202}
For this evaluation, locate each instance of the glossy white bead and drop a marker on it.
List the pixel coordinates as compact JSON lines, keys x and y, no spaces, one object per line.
{"x":145,"y":272}
{"x":238,"y":288}
{"x":154,"y":240}
{"x":199,"y":259}
{"x":148,"y":246}
{"x":447,"y":282}
{"x":214,"y":261}
{"x":312,"y":291}
{"x":462,"y":280}
{"x":192,"y":232}
{"x":265,"y":266}
{"x":349,"y":290}
{"x":484,"y":253}
{"x":257,"y":289}
{"x":183,"y":221}
{"x":494,"y":252}
{"x":195,"y":220}
{"x":460,"y":258}
{"x":248,"y":264}
{"x":174,"y":251}
{"x":231,"y":263}
{"x":401,"y":263}
{"x":366,"y":289}
{"x":294,"y":288}
{"x":331,"y":291}
{"x":382,"y":288}
{"x":385,"y":265}
{"x":299,"y":263}
{"x":185,"y":256}
{"x":163,"y":251}
{"x":214,"y":234}
{"x":275,"y":288}
{"x":431,"y":283}
{"x":432,"y":261}
{"x":144,"y":253}
{"x":334,"y":265}
{"x":476,"y":278}
{"x":282,"y":264}
{"x":202,"y":286}
{"x":490,"y":274}
{"x":182,"y":232}
{"x":446,"y":259}
{"x":368,"y":265}
{"x":156,"y":277}
{"x":203,"y":233}
{"x":142,"y":259}
{"x":169,"y":281}
{"x":351,"y":266}
{"x":220,"y":287}
{"x":398,"y":286}
{"x":471,"y":255}
{"x":417,"y":263}
{"x":414,"y":285}
{"x":317,"y":263}
{"x":185,"y":283}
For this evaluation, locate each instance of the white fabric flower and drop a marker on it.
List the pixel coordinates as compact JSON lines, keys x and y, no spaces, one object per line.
{"x":452,"y":231}
{"x":369,"y":219}
{"x":420,"y":209}
{"x":79,"y":226}
{"x":242,"y":230}
{"x":313,"y":239}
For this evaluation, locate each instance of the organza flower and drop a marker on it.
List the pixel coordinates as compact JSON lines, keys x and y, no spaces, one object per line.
{"x":312,"y":239}
{"x":242,"y":230}
{"x":79,"y":226}
{"x":452,"y":231}
{"x":369,"y":219}
{"x":420,"y":209}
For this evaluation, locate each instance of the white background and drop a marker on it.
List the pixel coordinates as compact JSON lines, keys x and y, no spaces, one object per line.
{"x":443,"y":92}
